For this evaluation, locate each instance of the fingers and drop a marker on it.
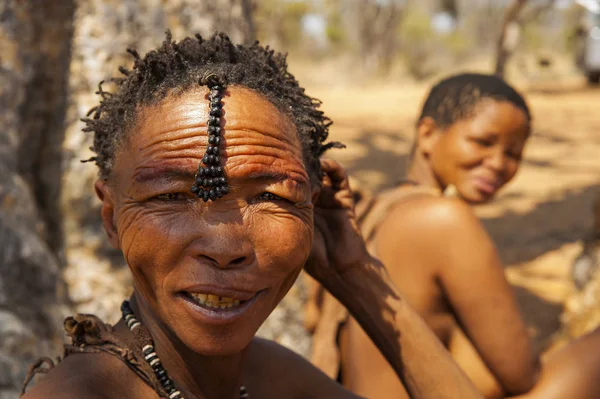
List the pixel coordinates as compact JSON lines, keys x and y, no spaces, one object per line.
{"x":335,"y":172}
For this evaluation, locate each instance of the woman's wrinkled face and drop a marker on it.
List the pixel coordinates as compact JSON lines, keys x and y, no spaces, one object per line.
{"x":211,"y":272}
{"x":480,"y":154}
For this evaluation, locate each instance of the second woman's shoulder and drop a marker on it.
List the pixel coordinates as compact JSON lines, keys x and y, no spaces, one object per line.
{"x":431,"y":212}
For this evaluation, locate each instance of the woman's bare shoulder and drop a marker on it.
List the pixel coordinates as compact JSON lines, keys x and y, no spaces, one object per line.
{"x":289,"y":374}
{"x":430,"y":213}
{"x":89,"y":375}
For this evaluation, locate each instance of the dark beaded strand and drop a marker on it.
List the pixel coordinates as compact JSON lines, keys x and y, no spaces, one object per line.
{"x":211,"y":182}
{"x":152,"y":358}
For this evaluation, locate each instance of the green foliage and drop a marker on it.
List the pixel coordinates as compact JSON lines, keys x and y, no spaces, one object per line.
{"x":280,"y":21}
{"x":335,"y":32}
{"x":425,"y":51}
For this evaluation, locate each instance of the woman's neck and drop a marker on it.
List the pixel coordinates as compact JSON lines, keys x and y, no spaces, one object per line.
{"x":420,"y":172}
{"x":196,"y":376}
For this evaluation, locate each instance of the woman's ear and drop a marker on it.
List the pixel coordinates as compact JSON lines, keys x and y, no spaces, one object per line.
{"x":107,"y":212}
{"x":428,"y":133}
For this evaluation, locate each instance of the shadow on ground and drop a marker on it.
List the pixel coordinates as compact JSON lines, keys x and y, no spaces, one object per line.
{"x":522,"y":237}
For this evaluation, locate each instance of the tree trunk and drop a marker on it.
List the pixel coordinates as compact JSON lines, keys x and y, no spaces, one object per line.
{"x":35,"y":39}
{"x":507,"y":40}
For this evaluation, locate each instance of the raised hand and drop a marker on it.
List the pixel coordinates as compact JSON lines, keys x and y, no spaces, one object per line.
{"x":338,"y":245}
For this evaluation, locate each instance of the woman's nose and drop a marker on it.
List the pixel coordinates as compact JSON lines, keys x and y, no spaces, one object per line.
{"x":496,"y":160}
{"x":226,"y":247}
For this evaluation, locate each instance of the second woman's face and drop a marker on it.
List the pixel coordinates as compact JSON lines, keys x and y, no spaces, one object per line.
{"x":212,"y":272}
{"x":480,"y":154}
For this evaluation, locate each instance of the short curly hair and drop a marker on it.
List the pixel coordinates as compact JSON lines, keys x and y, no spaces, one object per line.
{"x":180,"y":66}
{"x":456,"y":97}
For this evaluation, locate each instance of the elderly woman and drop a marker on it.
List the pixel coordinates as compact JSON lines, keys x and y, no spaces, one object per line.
{"x":212,"y":185}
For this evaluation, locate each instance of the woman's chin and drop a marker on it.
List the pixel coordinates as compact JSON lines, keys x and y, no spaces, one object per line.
{"x":209,"y":345}
{"x":474,"y":196}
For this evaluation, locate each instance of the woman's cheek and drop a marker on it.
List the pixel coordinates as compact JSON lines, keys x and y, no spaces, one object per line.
{"x":286,"y":242}
{"x":140,"y":232}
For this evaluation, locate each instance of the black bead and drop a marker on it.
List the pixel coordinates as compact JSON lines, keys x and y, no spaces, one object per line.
{"x":222,"y":180}
{"x":224,"y":189}
{"x":212,"y":139}
{"x":169,"y":387}
{"x":214,"y":130}
{"x":210,"y":149}
{"x":205,"y":195}
{"x":216,"y":103}
{"x":201,"y":172}
{"x":161,"y":374}
{"x":163,"y":380}
{"x":218,"y":170}
{"x":215,"y":111}
{"x":215,"y":93}
{"x":216,"y":160}
{"x":212,"y":195}
{"x":217,"y":141}
{"x":209,"y":182}
{"x":211,"y":159}
{"x":205,"y":159}
{"x":125,"y":309}
{"x":214,"y":121}
{"x":214,"y":171}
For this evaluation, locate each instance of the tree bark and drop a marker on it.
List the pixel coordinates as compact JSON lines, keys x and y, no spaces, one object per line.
{"x":35,"y":40}
{"x":505,"y":46}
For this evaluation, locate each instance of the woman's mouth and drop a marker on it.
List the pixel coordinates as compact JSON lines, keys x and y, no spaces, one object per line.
{"x":213,"y":301}
{"x":486,"y":186}
{"x":216,"y":309}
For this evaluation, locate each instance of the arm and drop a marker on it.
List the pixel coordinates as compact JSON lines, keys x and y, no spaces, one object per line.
{"x":340,"y":261}
{"x":447,"y":235}
{"x":419,"y":359}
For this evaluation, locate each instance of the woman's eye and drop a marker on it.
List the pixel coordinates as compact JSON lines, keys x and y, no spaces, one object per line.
{"x":171,"y":197}
{"x":513,"y":155}
{"x":269,"y":197}
{"x":483,"y":142}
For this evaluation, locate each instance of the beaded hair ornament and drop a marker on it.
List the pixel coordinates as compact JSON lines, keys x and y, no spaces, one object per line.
{"x":211,"y":182}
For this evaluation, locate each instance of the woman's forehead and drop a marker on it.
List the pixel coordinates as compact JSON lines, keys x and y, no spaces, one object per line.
{"x":255,"y":132}
{"x":242,"y":109}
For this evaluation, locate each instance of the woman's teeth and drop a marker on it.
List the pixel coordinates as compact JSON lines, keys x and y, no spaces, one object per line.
{"x":214,"y":301}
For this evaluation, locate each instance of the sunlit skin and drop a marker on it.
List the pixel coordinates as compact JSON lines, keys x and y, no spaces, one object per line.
{"x":478,"y":155}
{"x":250,"y":246}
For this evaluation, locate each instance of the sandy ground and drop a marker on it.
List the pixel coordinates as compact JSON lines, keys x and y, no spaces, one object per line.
{"x":538,"y":220}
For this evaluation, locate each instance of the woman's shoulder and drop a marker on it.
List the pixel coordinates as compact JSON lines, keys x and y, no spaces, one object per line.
{"x":89,"y":375}
{"x":290,"y":374}
{"x":424,"y":210}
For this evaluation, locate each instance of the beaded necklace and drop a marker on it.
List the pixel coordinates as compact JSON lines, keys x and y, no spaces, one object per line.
{"x":152,"y":358}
